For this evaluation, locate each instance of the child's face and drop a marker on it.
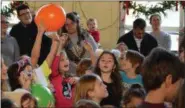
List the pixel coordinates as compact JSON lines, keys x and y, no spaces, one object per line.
{"x":106,"y":63}
{"x":135,"y":101}
{"x":29,"y":103}
{"x":92,"y":25}
{"x":100,"y":90}
{"x":26,"y":77}
{"x":64,"y":63}
{"x":126,"y":64}
{"x":3,"y":70}
{"x":122,"y":48}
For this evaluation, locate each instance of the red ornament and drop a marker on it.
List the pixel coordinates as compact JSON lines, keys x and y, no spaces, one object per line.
{"x":127,"y":5}
{"x":183,"y":4}
{"x":176,"y":5}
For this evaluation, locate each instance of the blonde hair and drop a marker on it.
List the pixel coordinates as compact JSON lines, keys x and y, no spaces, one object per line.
{"x":90,"y":20}
{"x":85,"y":84}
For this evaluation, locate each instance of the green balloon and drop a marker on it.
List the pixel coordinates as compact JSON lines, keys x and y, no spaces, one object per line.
{"x":43,"y":95}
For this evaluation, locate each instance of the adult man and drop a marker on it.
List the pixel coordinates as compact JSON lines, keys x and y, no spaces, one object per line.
{"x":162,"y":37}
{"x":137,"y":39}
{"x":25,"y":33}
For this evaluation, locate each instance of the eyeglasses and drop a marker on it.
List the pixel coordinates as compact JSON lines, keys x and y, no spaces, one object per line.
{"x":24,"y":14}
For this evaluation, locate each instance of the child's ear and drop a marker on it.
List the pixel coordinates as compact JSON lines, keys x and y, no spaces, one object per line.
{"x":168,"y":81}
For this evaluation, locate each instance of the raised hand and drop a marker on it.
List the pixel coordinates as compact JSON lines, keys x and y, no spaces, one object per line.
{"x":63,"y":39}
{"x":54,"y":36}
{"x":41,"y":27}
{"x":87,"y":46}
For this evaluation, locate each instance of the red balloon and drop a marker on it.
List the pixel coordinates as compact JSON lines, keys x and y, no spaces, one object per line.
{"x":52,"y":15}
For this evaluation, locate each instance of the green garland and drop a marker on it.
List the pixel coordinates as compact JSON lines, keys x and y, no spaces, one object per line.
{"x":161,"y":7}
{"x":9,"y":10}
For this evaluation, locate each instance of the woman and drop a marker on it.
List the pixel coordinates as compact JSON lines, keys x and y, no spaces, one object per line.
{"x":77,"y":36}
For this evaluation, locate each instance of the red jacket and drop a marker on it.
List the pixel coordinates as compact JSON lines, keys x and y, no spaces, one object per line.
{"x":95,"y":35}
{"x":57,"y":81}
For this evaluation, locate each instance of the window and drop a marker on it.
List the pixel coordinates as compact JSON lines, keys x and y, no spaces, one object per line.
{"x":166,"y":25}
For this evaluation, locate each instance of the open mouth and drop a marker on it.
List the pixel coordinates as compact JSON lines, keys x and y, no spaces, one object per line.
{"x":66,"y":66}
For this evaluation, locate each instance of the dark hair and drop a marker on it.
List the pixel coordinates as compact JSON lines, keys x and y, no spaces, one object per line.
{"x":28,"y":96}
{"x":115,"y":76}
{"x":14,"y":73}
{"x":179,"y":101}
{"x":6,"y":103}
{"x":83,"y":65}
{"x":182,"y":45}
{"x":84,"y":103}
{"x":74,"y":16}
{"x":135,"y":91}
{"x":21,"y":7}
{"x":139,"y":23}
{"x":157,"y":65}
{"x":153,"y":16}
{"x":135,"y":57}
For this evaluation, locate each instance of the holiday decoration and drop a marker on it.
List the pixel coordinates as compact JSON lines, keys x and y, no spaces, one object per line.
{"x":8,"y":10}
{"x":161,"y":7}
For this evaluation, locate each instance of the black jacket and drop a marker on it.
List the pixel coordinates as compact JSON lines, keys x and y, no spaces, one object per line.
{"x":26,"y":36}
{"x":147,"y":44}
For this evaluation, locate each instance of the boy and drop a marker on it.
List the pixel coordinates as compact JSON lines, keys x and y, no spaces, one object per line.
{"x":92,"y":29}
{"x":131,"y":66}
{"x":162,"y":74}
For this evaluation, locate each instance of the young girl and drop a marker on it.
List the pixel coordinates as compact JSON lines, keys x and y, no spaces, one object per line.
{"x":62,"y":83}
{"x":28,"y":101}
{"x":132,"y":67}
{"x":90,"y":87}
{"x":107,"y":68}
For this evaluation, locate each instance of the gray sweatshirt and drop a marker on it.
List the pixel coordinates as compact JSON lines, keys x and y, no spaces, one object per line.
{"x":163,"y":40}
{"x":9,"y":50}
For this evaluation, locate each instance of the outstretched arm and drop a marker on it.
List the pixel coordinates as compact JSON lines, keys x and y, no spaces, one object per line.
{"x":35,"y":54}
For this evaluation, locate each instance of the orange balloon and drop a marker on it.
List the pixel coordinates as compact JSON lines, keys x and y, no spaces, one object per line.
{"x":53,"y":17}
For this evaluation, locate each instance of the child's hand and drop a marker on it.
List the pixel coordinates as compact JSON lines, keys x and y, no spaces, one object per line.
{"x":54,"y":36}
{"x":63,"y":39}
{"x":87,"y":46}
{"x":73,"y":80}
{"x":50,"y":105}
{"x":41,"y":27}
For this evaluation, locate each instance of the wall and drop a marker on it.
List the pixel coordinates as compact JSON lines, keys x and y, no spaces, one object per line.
{"x":107,"y":14}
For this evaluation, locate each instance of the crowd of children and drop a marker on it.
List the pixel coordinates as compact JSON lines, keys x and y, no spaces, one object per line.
{"x":110,"y":79}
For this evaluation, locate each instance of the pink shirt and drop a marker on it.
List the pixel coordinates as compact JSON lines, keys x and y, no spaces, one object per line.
{"x":57,"y":81}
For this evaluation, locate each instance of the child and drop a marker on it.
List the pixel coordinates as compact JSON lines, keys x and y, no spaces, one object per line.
{"x":28,"y":101}
{"x":90,"y":87}
{"x":107,"y":68}
{"x":132,"y":67}
{"x":134,"y":96}
{"x":162,"y":75}
{"x":92,"y":29}
{"x":122,"y":47}
{"x":83,"y":103}
{"x":84,"y":67}
{"x":62,"y":83}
